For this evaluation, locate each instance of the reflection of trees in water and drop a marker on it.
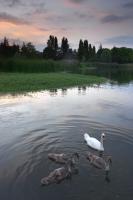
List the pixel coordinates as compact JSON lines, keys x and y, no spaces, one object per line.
{"x":82,"y":90}
{"x":123,"y":76}
{"x":53,"y":92}
{"x":64,"y":91}
{"x":79,"y":90}
{"x":119,"y":74}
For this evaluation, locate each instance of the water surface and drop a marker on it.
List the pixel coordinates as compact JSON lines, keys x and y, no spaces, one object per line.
{"x":35,"y":124}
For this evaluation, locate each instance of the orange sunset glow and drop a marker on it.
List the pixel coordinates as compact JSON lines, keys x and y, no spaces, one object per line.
{"x":98,"y":22}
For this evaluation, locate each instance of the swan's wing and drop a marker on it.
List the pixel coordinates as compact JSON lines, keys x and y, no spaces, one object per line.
{"x":94,"y":143}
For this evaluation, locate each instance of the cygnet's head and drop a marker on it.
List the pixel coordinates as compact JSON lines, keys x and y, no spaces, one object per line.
{"x":109,"y":159}
{"x":89,"y":156}
{"x":45,"y":181}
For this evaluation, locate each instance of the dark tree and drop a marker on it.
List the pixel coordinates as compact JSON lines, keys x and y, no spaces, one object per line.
{"x":106,"y":55}
{"x":99,"y":52}
{"x":122,"y":55}
{"x":49,"y":53}
{"x":64,"y":45}
{"x":7,"y":50}
{"x":55,"y":43}
{"x":6,"y":42}
{"x":114,"y":52}
{"x":23,"y":49}
{"x":52,"y":47}
{"x":28,"y":50}
{"x":90,"y":51}
{"x":86,"y":50}
{"x":81,"y":50}
{"x":93,"y":51}
{"x":15,"y":49}
{"x":50,"y":42}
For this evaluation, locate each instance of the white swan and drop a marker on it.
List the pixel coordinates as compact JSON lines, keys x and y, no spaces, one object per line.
{"x":94,"y":143}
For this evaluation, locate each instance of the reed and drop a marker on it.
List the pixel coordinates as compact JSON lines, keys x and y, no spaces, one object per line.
{"x":36,"y":66}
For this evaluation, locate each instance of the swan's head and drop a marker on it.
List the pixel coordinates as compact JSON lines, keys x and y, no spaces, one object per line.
{"x":103,"y":135}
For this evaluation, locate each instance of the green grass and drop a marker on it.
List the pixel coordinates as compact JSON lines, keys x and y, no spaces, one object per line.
{"x":20,"y":82}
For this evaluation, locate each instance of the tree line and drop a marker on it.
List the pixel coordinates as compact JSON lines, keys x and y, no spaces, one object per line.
{"x":86,"y":51}
{"x":7,"y":50}
{"x":28,"y":50}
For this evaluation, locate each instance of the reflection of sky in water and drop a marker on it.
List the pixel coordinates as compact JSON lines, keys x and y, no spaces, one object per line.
{"x":87,"y":99}
{"x":107,"y":104}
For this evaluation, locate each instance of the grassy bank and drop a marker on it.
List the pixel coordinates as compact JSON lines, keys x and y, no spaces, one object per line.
{"x":20,"y":82}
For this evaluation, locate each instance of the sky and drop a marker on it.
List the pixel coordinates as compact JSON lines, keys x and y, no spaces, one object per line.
{"x":109,"y":22}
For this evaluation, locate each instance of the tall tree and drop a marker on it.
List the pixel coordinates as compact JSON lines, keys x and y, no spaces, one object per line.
{"x":4,"y":48}
{"x":81,"y":50}
{"x":90,"y":51}
{"x":55,"y":43}
{"x":50,"y":42}
{"x":86,"y":50}
{"x":64,"y":45}
{"x":93,"y":51}
{"x":52,"y":45}
{"x":5,"y":42}
{"x":99,"y":52}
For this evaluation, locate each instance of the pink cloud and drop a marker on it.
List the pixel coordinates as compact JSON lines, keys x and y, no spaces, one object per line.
{"x":72,"y":4}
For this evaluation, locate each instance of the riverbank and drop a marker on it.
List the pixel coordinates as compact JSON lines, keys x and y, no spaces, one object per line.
{"x":26,"y":82}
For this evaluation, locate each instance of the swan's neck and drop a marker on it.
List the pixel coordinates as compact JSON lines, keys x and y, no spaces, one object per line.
{"x":101,"y":141}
